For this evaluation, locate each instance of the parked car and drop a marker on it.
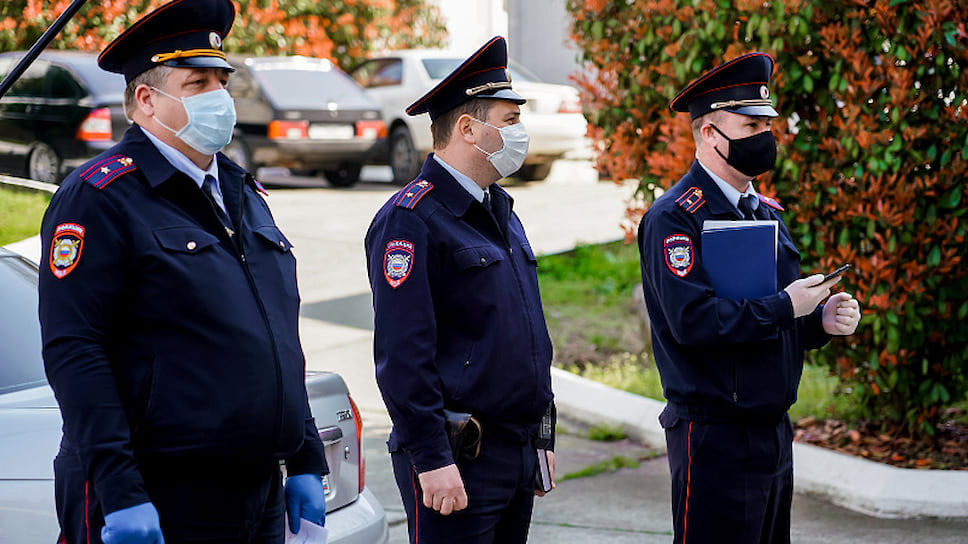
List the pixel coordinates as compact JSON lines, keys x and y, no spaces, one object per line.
{"x":553,"y":113}
{"x":30,"y":431}
{"x":61,"y":112}
{"x":304,"y":114}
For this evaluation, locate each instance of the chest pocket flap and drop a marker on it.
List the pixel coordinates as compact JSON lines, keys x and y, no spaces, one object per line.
{"x":477,"y":257}
{"x":184,"y":239}
{"x":272,"y":235}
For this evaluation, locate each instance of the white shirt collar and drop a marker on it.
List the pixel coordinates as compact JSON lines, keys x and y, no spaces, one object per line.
{"x":183,"y":163}
{"x":732,"y":195}
{"x":467,"y":183}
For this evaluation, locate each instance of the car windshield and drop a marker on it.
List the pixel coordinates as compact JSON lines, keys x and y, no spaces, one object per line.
{"x":308,"y":84}
{"x":439,"y":68}
{"x":99,"y":81}
{"x":21,"y":366}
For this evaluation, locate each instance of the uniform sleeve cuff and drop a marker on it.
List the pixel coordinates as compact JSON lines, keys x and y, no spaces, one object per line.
{"x":431,"y":454}
{"x":121,"y":492}
{"x":783,"y":310}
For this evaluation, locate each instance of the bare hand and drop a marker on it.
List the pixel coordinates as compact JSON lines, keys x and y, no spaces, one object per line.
{"x":806,"y":295}
{"x":551,"y":469}
{"x":841,"y":315}
{"x":443,"y":489}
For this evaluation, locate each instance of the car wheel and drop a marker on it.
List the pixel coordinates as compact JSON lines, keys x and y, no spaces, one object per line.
{"x":404,"y":160}
{"x":239,"y":153}
{"x":346,"y":175}
{"x":534,"y":172}
{"x":43,"y":164}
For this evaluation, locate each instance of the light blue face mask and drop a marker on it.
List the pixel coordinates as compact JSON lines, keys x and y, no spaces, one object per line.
{"x":510,"y":157}
{"x":211,"y":120}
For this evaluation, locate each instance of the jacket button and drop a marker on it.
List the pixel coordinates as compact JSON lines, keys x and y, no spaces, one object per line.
{"x":467,"y":364}
{"x":483,"y":260}
{"x":191,"y":245}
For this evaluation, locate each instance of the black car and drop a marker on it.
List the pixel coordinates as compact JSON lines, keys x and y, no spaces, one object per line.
{"x":304,"y":114}
{"x":61,"y":112}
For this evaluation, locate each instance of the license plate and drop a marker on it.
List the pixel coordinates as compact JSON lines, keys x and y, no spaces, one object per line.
{"x":331,"y":132}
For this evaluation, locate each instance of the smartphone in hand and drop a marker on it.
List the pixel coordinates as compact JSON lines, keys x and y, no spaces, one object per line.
{"x":835,"y":274}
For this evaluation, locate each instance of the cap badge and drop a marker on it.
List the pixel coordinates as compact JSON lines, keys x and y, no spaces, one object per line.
{"x":216,"y":40}
{"x":764,"y":92}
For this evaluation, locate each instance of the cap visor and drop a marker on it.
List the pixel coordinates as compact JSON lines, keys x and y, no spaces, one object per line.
{"x":200,"y":62}
{"x":756,"y":111}
{"x":504,"y":94}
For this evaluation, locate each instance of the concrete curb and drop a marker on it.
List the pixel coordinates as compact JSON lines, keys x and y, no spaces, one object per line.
{"x":22,"y":183}
{"x":860,"y":485}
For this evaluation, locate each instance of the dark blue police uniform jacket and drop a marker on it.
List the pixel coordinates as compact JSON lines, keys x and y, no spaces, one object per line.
{"x":719,"y":359}
{"x":459,"y":322}
{"x":163,"y":335}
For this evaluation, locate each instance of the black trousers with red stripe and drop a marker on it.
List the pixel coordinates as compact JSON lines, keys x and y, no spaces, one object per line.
{"x":500,"y":496}
{"x":731,"y":482}
{"x":199,"y":502}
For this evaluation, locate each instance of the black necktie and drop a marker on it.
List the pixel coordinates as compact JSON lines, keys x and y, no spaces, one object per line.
{"x":746,"y":206}
{"x":487,"y":200}
{"x":209,"y":188}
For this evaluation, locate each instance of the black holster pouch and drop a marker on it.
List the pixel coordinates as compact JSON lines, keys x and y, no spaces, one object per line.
{"x":464,"y":434}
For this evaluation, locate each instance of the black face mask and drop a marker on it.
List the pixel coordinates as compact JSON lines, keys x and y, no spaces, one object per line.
{"x":752,"y":155}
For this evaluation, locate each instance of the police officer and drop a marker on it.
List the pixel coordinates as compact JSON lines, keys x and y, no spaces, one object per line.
{"x":730,"y":368}
{"x":459,"y":324}
{"x":168,"y":305}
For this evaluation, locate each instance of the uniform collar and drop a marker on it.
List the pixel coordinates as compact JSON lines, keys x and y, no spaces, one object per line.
{"x":450,"y":192}
{"x":183,"y":163}
{"x":464,"y":180}
{"x":730,"y":192}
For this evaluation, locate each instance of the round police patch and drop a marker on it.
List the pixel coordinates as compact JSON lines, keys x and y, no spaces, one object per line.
{"x":397,"y":262}
{"x":679,"y":254}
{"x":65,"y":249}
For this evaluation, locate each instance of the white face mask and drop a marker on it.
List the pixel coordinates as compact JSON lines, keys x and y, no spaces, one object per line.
{"x":509,"y":158}
{"x":211,"y":120}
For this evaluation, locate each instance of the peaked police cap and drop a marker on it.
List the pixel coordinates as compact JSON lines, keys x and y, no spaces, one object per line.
{"x":738,"y":86}
{"x":182,"y":34}
{"x":482,"y":75}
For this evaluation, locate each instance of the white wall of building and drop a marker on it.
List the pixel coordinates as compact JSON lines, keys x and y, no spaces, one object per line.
{"x":471,"y":23}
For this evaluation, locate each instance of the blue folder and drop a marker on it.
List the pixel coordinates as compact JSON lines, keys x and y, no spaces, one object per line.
{"x":740,"y":258}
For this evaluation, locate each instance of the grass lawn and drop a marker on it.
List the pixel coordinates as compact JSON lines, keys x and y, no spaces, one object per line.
{"x":20,"y":213}
{"x":598,"y":331}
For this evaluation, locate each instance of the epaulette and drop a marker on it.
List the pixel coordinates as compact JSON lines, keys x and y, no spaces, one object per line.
{"x":691,"y":200}
{"x":770,"y":202}
{"x":103,"y":172}
{"x":412,"y":193}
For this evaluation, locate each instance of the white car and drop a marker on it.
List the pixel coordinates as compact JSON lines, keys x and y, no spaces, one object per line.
{"x":30,"y":431}
{"x":553,"y":113}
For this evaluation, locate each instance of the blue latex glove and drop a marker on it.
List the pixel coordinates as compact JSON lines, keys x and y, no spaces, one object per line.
{"x":305,"y":498}
{"x":133,"y":525}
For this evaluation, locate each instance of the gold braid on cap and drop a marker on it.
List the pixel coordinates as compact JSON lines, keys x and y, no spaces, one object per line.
{"x":179,"y":54}
{"x":489,"y":86}
{"x":740,"y":103}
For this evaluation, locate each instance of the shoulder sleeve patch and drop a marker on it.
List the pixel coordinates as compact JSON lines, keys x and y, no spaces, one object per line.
{"x":679,"y":254}
{"x":691,"y":200}
{"x":412,"y":193}
{"x":398,"y":261}
{"x":771,"y":202}
{"x":103,"y":172}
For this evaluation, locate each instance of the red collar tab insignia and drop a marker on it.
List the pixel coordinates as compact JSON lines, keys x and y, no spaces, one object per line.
{"x":412,"y":193}
{"x":259,"y":187}
{"x":771,"y":202}
{"x":103,"y":172}
{"x":398,"y":262}
{"x":691,"y":200}
{"x":679,"y":254}
{"x":65,"y":249}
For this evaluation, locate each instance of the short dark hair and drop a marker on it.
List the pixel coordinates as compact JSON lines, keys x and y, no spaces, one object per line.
{"x":441,"y":128}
